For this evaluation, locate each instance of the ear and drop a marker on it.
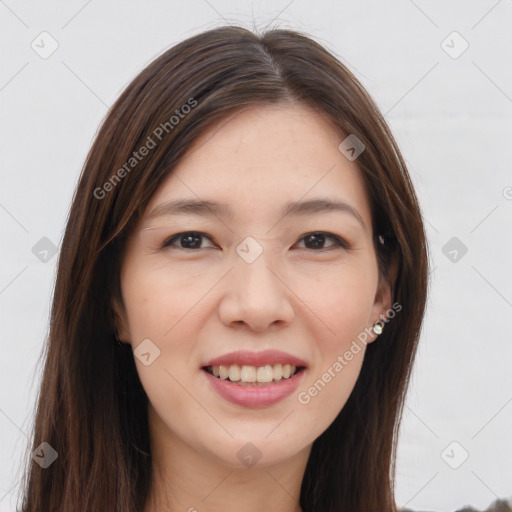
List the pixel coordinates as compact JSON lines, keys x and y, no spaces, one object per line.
{"x":120,"y":320}
{"x":384,"y":295}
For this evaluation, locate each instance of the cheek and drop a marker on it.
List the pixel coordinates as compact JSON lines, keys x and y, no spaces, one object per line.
{"x":160,"y":311}
{"x":342,"y":309}
{"x":158,"y":299}
{"x":166,"y":308}
{"x":339,"y":354}
{"x":345,"y":312}
{"x":342,"y":300}
{"x":325,"y":392}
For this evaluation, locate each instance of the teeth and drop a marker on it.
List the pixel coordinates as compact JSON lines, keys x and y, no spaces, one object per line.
{"x":265,"y":374}
{"x":223,"y":372}
{"x":234,"y":373}
{"x":250,"y":374}
{"x":247,"y":373}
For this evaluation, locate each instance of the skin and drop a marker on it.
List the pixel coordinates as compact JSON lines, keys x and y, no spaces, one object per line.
{"x":198,"y":303}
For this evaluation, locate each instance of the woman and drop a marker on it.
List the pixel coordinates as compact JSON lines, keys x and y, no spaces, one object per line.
{"x":239,"y":294}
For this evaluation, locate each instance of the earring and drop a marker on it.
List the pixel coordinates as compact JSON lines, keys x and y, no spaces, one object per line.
{"x":378,"y":327}
{"x":387,"y":239}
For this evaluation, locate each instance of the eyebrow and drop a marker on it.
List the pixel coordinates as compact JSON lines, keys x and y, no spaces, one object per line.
{"x":294,"y":208}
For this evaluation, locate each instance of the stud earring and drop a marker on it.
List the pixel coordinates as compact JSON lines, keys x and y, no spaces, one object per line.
{"x":378,"y":327}
{"x":386,"y":239}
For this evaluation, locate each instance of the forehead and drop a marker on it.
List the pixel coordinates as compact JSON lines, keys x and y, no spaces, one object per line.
{"x":260,"y":158}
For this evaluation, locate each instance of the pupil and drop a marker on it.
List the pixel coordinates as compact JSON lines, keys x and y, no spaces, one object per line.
{"x":188,"y":241}
{"x":319,"y":240}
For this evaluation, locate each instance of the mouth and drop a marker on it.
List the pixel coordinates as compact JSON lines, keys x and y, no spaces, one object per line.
{"x":254,"y":376}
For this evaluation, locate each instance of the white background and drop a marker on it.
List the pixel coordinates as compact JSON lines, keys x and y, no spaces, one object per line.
{"x":452,"y":118}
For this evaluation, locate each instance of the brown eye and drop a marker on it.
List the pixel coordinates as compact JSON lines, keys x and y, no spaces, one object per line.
{"x":317,"y":240}
{"x":187,"y":240}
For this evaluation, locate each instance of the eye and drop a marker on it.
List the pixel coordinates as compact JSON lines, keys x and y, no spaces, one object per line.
{"x":317,"y":240}
{"x":187,"y":240}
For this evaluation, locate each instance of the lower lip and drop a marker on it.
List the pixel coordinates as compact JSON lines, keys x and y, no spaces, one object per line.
{"x":255,"y":396}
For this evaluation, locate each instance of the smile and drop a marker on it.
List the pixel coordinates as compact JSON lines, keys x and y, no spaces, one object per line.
{"x":248,"y":375}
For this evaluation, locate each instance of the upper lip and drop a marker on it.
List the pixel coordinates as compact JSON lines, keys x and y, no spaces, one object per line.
{"x":244,"y":357}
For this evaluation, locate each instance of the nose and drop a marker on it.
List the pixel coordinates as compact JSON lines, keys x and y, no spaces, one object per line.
{"x":256,"y":296}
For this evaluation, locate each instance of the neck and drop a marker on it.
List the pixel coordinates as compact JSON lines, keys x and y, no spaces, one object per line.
{"x":186,"y":480}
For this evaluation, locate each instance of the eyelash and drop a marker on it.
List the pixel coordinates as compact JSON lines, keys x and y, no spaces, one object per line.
{"x":340,"y":242}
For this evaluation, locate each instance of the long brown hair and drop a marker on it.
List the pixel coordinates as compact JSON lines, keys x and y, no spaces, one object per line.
{"x":91,"y":407}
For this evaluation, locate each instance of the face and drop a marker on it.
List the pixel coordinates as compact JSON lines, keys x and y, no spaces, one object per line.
{"x":263,"y":276}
